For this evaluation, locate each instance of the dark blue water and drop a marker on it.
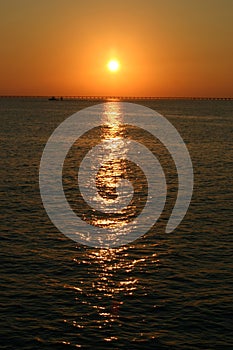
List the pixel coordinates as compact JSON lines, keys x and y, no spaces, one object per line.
{"x":164,"y":291}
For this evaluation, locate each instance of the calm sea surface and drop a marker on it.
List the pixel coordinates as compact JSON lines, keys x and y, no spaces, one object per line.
{"x":164,"y":291}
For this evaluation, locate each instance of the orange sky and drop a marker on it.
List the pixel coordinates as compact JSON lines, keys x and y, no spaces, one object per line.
{"x":165,"y":47}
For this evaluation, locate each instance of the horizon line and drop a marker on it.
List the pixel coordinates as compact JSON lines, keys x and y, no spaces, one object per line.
{"x":116,"y":97}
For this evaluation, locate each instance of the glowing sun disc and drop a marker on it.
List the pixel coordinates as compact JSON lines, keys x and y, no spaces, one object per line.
{"x":113,"y":65}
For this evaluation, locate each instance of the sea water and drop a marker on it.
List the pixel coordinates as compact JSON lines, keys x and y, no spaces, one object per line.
{"x":163,"y":291}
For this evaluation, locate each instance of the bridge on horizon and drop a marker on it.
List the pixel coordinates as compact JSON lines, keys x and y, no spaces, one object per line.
{"x":115,"y":98}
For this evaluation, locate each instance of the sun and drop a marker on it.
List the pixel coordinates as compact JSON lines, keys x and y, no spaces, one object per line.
{"x":113,"y":65}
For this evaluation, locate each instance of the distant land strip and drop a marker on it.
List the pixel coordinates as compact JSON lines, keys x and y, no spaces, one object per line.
{"x":112,"y":98}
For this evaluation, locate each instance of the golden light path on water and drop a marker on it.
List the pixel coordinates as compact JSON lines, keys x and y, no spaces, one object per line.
{"x":111,"y":172}
{"x":110,"y":272}
{"x":112,"y":275}
{"x":111,"y":278}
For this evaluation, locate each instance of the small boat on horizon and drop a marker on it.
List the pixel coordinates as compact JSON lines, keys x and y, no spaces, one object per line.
{"x":53,"y":98}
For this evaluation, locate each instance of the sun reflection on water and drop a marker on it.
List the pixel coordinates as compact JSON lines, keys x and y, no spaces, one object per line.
{"x":114,"y":191}
{"x":111,"y":278}
{"x":112,"y":117}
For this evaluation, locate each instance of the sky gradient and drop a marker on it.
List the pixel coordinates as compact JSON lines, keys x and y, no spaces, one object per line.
{"x":165,"y":48}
